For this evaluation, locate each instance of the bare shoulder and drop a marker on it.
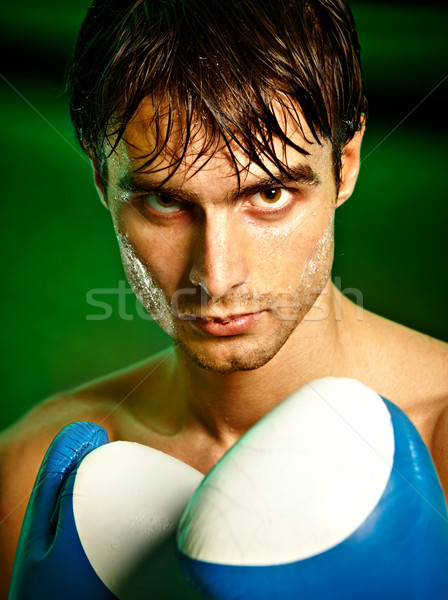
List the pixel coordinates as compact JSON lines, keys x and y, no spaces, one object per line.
{"x":22,"y":449}
{"x":23,"y":445}
{"x":411,"y":367}
{"x":108,"y":401}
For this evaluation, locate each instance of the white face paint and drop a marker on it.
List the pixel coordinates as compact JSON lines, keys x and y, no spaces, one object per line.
{"x":321,"y":254}
{"x":144,"y":287}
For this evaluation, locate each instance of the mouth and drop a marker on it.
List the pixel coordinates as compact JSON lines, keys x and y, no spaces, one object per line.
{"x":222,"y":319}
{"x":224,"y":325}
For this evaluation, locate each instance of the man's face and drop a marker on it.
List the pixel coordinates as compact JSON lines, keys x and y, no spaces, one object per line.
{"x":227,"y":271}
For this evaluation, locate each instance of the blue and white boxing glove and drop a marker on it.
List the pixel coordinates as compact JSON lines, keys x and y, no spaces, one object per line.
{"x":333,"y":494}
{"x":47,"y":563}
{"x":101,"y":522}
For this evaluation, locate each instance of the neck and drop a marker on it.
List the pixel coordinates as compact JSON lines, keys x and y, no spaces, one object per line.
{"x":227,"y":405}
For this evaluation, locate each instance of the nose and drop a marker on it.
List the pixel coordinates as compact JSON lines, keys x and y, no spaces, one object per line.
{"x":220,"y":255}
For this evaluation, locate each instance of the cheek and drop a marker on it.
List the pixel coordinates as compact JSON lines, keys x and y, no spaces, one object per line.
{"x":162,"y":253}
{"x":319,"y":260}
{"x":292,"y":253}
{"x":145,"y":287}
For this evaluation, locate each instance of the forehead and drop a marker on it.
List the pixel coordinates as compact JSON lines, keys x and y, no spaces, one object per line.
{"x":184,"y":156}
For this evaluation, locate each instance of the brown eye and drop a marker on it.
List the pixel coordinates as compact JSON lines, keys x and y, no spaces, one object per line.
{"x":272,"y":196}
{"x":162,"y":204}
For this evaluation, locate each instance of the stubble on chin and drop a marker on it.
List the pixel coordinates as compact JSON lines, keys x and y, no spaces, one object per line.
{"x":250,"y":353}
{"x":245,"y":352}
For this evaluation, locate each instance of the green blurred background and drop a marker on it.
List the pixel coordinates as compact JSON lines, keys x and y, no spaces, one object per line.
{"x":57,"y":241}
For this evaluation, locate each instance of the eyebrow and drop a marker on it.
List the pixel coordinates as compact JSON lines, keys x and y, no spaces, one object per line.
{"x":137,"y":183}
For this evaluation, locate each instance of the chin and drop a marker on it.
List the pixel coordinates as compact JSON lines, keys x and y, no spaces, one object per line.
{"x":231,"y":355}
{"x":231,"y":365}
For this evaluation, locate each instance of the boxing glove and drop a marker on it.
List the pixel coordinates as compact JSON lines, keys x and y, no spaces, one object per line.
{"x":332,"y":494}
{"x":101,"y":522}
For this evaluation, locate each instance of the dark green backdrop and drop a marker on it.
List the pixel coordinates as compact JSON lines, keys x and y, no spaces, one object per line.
{"x":57,"y":242}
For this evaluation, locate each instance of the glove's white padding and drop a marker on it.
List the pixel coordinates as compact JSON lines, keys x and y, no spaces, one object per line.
{"x":324,"y":455}
{"x":127,"y":502}
{"x":322,"y":498}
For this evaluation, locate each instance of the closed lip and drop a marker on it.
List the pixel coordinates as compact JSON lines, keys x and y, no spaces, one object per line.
{"x":217,"y":318}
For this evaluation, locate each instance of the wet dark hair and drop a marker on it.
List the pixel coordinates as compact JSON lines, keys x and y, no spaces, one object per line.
{"x":225,"y":64}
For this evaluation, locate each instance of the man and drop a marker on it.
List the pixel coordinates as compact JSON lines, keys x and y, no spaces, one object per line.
{"x":223,"y":137}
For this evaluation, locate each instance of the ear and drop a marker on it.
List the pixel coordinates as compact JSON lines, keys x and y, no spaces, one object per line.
{"x":99,"y":183}
{"x":350,"y":162}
